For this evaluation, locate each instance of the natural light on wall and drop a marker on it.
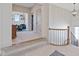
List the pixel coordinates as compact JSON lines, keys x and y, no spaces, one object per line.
{"x":77,"y":32}
{"x":16,"y":17}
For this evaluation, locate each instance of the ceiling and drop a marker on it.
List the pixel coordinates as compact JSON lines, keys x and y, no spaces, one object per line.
{"x":26,"y":4}
{"x":68,"y":6}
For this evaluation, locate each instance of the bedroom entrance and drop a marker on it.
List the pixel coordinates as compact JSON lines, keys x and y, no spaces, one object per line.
{"x":26,"y":23}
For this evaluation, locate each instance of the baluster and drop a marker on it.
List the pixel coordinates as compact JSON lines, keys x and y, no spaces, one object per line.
{"x":59,"y":36}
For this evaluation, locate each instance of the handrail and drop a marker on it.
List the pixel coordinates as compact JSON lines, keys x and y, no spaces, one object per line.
{"x":57,"y":29}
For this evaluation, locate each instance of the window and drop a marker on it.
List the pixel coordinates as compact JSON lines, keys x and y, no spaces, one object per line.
{"x":16,"y":17}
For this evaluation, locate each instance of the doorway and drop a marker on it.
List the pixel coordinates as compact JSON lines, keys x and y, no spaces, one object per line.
{"x":27,"y":25}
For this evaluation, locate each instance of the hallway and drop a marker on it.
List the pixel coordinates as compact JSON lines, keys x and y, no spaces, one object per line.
{"x":39,"y":47}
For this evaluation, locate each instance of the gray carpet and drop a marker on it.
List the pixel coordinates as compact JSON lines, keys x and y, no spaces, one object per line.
{"x":56,"y":53}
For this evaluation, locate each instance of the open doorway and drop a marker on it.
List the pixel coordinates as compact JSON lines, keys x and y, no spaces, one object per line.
{"x":26,"y":23}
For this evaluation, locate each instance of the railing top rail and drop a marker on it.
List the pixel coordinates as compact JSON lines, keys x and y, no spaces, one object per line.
{"x":57,"y":29}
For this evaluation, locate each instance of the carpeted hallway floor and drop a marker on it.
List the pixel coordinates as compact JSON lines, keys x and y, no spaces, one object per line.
{"x":39,"y":47}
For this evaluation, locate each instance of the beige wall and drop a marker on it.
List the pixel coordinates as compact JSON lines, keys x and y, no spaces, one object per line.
{"x":6,"y":24}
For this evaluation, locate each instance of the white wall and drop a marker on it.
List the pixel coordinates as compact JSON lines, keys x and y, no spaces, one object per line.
{"x":6,"y":38}
{"x":45,"y":20}
{"x":59,"y":17}
{"x":75,"y":20}
{"x":0,"y":29}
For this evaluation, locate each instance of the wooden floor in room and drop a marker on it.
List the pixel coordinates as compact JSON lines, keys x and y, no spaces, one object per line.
{"x":39,"y":47}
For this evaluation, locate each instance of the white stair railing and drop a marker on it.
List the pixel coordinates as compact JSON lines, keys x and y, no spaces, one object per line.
{"x":59,"y":37}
